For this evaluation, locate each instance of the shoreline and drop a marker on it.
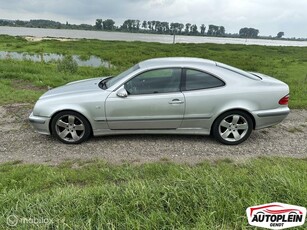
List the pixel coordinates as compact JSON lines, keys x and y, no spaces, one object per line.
{"x":39,"y":39}
{"x":36,"y":34}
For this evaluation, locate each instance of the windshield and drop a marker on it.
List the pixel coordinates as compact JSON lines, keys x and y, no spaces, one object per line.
{"x":116,"y":79}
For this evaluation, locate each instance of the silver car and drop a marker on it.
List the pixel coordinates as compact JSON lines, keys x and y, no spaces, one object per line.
{"x":164,"y":96}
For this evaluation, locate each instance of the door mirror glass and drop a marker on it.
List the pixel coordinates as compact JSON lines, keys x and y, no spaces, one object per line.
{"x":122,"y":93}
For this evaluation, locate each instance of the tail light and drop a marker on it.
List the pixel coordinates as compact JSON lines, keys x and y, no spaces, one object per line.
{"x":284,"y":100}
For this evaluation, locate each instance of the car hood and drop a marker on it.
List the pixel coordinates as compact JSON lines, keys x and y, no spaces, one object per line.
{"x":76,"y":87}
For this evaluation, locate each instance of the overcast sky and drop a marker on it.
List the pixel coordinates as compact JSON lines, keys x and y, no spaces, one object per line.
{"x":269,"y":16}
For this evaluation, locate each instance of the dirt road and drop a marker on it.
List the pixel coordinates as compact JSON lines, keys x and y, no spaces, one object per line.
{"x":19,"y":142}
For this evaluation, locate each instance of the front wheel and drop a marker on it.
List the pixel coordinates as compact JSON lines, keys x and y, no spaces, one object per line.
{"x":70,"y":127}
{"x":232,"y":128}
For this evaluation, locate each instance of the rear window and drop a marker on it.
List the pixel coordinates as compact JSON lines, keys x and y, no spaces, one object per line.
{"x":238,"y":71}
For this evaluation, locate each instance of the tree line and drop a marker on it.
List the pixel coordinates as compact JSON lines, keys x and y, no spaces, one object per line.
{"x":137,"y":26}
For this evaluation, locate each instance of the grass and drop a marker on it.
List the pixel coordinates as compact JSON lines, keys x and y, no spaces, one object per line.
{"x":288,"y":64}
{"x":96,"y":195}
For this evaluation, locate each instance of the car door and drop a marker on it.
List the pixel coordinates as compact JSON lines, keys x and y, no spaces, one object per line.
{"x":203,"y":93}
{"x":150,"y":100}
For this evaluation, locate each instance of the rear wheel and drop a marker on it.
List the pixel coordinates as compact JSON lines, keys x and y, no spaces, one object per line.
{"x":232,"y":127}
{"x":70,"y":127}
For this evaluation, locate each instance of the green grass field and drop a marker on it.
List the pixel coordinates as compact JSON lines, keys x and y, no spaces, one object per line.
{"x":95,"y":195}
{"x":25,"y":81}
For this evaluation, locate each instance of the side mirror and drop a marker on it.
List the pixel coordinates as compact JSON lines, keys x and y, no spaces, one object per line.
{"x":122,"y":93}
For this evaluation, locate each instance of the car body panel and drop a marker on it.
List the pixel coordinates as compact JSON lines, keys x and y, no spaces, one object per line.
{"x":150,"y":111}
{"x":107,"y":113}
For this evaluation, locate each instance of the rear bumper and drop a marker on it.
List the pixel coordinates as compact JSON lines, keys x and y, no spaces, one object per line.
{"x":40,"y":124}
{"x":267,"y":118}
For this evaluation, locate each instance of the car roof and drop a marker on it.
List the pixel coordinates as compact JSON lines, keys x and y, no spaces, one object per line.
{"x":175,"y":61}
{"x":192,"y":62}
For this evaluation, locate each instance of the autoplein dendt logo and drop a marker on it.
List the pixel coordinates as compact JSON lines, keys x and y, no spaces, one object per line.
{"x":276,"y":216}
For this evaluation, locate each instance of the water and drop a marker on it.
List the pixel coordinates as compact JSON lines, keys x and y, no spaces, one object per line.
{"x":118,"y":36}
{"x":93,"y":61}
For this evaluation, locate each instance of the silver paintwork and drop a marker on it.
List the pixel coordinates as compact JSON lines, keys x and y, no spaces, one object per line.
{"x":113,"y":111}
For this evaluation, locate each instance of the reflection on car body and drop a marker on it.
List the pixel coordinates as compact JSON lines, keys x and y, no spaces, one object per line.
{"x":164,"y":96}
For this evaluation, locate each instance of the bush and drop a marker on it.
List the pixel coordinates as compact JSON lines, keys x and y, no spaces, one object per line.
{"x":67,"y":65}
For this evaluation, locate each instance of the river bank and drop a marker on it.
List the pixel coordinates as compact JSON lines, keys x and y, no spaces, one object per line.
{"x":37,"y":34}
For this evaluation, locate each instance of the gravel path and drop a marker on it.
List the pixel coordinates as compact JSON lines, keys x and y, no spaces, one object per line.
{"x":19,"y":142}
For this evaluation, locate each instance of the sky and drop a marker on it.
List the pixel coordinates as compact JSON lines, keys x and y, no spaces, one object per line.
{"x":268,"y":16}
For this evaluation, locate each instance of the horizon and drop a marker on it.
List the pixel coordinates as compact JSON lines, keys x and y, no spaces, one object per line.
{"x":268,"y":17}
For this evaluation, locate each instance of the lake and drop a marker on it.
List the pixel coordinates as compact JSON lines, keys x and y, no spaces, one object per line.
{"x":119,"y":36}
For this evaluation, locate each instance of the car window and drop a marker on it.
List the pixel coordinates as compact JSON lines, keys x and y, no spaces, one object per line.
{"x":116,"y":79}
{"x":164,"y":80}
{"x":200,"y":80}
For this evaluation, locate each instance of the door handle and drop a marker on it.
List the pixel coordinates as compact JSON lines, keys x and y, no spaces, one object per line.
{"x":176,"y":102}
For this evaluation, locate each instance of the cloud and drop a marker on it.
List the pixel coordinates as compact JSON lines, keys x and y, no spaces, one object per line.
{"x":269,"y":17}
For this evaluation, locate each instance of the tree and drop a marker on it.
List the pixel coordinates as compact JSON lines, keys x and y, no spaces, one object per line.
{"x":248,"y":32}
{"x":144,"y":25}
{"x":165,"y":27}
{"x":137,"y":25}
{"x":108,"y":24}
{"x":194,"y":29}
{"x":202,"y":29}
{"x":181,"y":26}
{"x":153,"y":25}
{"x":158,"y":27}
{"x":149,"y":25}
{"x":280,"y":34}
{"x":98,"y":24}
{"x":221,"y":31}
{"x":20,"y":23}
{"x":216,"y":30}
{"x":187,"y":28}
{"x":213,"y":30}
{"x":176,"y":27}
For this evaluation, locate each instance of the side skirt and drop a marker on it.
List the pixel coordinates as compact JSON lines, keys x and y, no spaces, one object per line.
{"x":187,"y":131}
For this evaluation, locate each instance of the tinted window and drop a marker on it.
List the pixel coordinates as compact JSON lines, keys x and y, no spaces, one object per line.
{"x":116,"y":79}
{"x":200,"y":80}
{"x":155,"y":81}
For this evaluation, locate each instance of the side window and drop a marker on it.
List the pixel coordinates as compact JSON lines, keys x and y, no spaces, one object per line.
{"x":200,"y":80}
{"x":155,"y":81}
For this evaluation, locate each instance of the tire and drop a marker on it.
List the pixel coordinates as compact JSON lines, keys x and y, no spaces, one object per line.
{"x":70,"y":127}
{"x":233,"y":127}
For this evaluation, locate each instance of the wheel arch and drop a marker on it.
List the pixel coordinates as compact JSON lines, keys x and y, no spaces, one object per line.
{"x":69,"y":110}
{"x":235,"y":109}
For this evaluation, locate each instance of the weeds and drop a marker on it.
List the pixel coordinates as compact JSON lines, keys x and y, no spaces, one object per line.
{"x":67,"y":65}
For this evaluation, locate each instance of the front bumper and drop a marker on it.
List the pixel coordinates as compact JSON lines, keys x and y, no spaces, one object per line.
{"x":267,"y":118}
{"x":40,"y":124}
